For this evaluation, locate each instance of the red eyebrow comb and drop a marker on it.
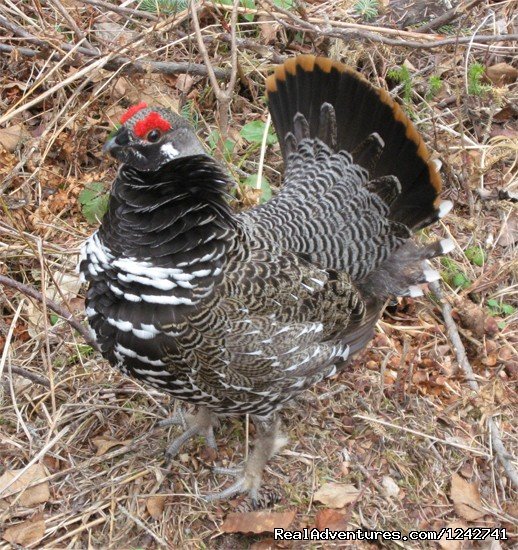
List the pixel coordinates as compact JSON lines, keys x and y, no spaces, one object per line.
{"x":153,"y":121}
{"x":133,"y":110}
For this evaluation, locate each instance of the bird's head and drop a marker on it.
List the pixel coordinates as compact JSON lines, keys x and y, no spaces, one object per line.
{"x":150,"y":137}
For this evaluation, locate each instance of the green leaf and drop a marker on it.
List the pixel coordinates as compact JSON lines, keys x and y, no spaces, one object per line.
{"x":402,"y":75}
{"x":266,"y":190}
{"x":434,"y":86}
{"x":508,"y":309}
{"x":163,"y":6}
{"x":253,"y":133}
{"x":475,"y":84}
{"x":53,"y":319}
{"x":460,"y":280}
{"x":250,"y":4}
{"x":94,"y":202}
{"x":497,"y":308}
{"x":475,"y":255}
{"x":368,"y":9}
{"x":213,"y":140}
{"x":286,"y":4}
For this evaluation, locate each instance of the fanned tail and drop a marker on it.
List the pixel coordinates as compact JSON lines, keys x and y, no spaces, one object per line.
{"x":346,"y":112}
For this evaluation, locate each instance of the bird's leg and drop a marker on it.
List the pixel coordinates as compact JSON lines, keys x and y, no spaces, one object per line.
{"x":201,"y":423}
{"x":268,"y":442}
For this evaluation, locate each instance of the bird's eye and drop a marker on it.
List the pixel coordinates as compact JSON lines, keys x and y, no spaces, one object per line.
{"x":154,"y":135}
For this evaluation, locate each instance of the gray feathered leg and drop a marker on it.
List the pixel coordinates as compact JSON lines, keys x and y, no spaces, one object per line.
{"x":201,"y":423}
{"x":268,"y":442}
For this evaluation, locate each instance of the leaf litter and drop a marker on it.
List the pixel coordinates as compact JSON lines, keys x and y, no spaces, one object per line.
{"x":402,"y":479}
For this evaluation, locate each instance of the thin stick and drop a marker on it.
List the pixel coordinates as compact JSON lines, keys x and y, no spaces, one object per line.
{"x":143,"y":526}
{"x":354,"y":31}
{"x":447,"y":17}
{"x":36,"y":378}
{"x":56,"y":308}
{"x":263,"y":151}
{"x":8,"y":338}
{"x":129,"y":66}
{"x":223,"y":96}
{"x":42,"y":452}
{"x":496,"y":440}
{"x":422,"y":434}
{"x":70,"y":20}
{"x":121,"y":10}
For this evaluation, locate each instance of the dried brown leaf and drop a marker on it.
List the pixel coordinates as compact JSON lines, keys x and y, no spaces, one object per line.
{"x":11,"y":137}
{"x":452,"y":544}
{"x":257,"y":522}
{"x":336,"y":495}
{"x":472,"y":315}
{"x":25,"y":533}
{"x":104,"y":443}
{"x":466,"y":498}
{"x":267,"y":29}
{"x":184,"y":83}
{"x":502,"y":74}
{"x":155,"y":506}
{"x":30,"y":496}
{"x":330,"y":519}
{"x":509,"y":232}
{"x":390,"y":487}
{"x":113,"y":33}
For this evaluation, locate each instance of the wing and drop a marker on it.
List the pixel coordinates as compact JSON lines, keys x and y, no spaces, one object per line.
{"x":282,"y":329}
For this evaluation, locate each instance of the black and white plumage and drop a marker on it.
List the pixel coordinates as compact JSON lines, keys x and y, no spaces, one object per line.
{"x":239,"y":313}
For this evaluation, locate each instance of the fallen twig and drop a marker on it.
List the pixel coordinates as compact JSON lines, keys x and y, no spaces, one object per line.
{"x":448,"y":17}
{"x":348,"y":31}
{"x":223,"y":95}
{"x":453,"y":333}
{"x":36,"y":378}
{"x":56,"y":308}
{"x":129,"y":66}
{"x":121,"y":10}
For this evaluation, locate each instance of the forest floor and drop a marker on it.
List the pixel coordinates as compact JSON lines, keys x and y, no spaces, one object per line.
{"x":404,"y":438}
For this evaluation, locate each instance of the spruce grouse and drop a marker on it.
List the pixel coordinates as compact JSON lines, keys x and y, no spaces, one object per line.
{"x":238,"y":313}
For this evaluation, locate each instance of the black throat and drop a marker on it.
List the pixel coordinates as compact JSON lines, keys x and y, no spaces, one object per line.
{"x":176,"y":215}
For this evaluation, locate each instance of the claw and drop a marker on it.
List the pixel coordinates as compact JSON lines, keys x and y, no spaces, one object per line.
{"x":200,"y":424}
{"x":238,"y":487}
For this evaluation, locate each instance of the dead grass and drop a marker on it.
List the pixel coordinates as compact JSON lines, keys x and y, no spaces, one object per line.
{"x":397,"y":423}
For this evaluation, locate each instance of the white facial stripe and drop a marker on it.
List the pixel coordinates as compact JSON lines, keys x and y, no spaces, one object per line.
{"x":168,"y":151}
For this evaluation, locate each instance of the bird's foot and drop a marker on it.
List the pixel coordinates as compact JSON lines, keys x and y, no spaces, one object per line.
{"x":202,"y":423}
{"x":247,"y":481}
{"x":248,"y":478}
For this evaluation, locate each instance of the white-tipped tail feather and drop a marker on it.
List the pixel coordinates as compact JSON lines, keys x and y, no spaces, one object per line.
{"x":444,"y":208}
{"x":415,"y":291}
{"x":447,"y":245}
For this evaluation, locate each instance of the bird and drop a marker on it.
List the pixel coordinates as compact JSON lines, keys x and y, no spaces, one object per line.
{"x":239,"y":312}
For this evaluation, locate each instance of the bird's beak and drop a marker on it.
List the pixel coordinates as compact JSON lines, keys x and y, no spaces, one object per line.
{"x":118,"y":141}
{"x":109,"y":145}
